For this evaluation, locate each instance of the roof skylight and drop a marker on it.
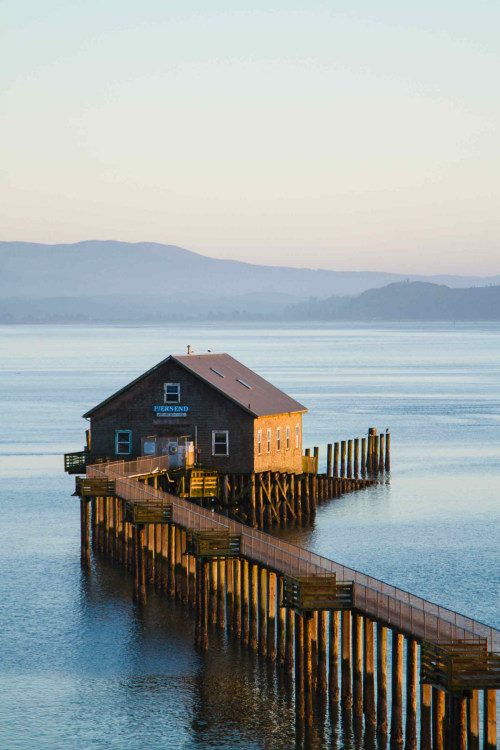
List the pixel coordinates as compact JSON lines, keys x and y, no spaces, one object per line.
{"x":217,"y":372}
{"x":245,"y":384}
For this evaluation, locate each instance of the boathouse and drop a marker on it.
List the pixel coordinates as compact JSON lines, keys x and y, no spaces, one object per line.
{"x":206,"y":409}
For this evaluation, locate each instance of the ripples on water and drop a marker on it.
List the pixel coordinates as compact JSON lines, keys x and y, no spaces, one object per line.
{"x":82,"y":667}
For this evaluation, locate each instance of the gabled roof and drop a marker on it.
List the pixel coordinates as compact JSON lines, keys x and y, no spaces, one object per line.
{"x":228,"y":376}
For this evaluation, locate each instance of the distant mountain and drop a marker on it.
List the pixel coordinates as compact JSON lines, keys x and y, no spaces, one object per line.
{"x":405,"y":301}
{"x":101,"y":269}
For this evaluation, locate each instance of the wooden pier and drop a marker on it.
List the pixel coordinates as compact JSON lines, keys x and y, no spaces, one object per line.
{"x":328,"y":628}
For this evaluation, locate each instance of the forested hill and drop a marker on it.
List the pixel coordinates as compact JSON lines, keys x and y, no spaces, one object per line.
{"x":405,"y":301}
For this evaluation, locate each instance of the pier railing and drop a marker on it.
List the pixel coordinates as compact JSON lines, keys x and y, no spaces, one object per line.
{"x":401,"y":610}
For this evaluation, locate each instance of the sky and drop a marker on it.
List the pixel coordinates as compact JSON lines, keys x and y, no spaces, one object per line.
{"x":344,"y":135}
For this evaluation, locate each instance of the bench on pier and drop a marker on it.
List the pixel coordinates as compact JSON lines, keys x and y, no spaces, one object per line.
{"x":94,"y":487}
{"x":212,"y":544}
{"x":148,"y":512}
{"x":309,"y":593}
{"x":459,"y":666}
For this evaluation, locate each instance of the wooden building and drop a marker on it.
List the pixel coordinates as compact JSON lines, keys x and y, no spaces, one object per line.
{"x":207,"y":409}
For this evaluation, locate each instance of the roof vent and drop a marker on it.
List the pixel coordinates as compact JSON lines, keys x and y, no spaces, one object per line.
{"x":217,"y":372}
{"x":245,"y":384}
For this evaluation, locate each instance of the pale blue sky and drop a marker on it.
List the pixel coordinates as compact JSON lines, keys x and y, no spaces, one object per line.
{"x":349,"y":135}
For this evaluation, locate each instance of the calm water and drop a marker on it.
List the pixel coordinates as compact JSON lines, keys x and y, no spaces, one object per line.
{"x":81,"y":667}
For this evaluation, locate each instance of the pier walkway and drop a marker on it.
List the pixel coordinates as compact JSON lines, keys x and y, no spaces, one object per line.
{"x":277,"y":598}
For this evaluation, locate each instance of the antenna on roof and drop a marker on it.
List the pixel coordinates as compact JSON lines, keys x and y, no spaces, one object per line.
{"x":189,"y":349}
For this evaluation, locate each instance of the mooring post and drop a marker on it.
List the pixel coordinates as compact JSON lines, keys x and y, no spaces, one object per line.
{"x":342,"y":457}
{"x":387,"y":451}
{"x":363,"y":456}
{"x":426,"y":717}
{"x":333,"y":657}
{"x":381,"y":680}
{"x":262,"y":627}
{"x":336,"y":460}
{"x":322,"y":682}
{"x":271,"y":616}
{"x":369,"y":674}
{"x":237,"y":598}
{"x":473,"y":720}
{"x":245,"y":578}
{"x":329,"y":455}
{"x":221,"y":593}
{"x":397,"y":691}
{"x":411,"y":695}
{"x":346,"y":691}
{"x":289,"y":642}
{"x":299,"y":667}
{"x":356,"y":457}
{"x":254,"y":573}
{"x":349,"y":457}
{"x":438,"y":718}
{"x":490,"y":720}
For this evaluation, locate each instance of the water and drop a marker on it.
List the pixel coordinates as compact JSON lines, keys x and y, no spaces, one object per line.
{"x":81,"y":667}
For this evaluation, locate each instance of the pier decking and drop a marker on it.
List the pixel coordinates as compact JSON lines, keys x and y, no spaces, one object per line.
{"x":307,"y":613}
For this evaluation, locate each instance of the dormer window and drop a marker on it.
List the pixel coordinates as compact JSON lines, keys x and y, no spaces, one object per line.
{"x":172,"y":393}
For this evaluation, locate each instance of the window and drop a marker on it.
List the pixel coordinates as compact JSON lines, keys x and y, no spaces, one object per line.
{"x":220,"y":442}
{"x":288,"y":438}
{"x":259,"y":442}
{"x":269,"y":441}
{"x":171,"y":393}
{"x":123,"y":442}
{"x":297,"y":436}
{"x":278,"y":438}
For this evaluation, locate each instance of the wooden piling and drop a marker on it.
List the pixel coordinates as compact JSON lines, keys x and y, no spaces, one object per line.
{"x":204,"y":605}
{"x":426,"y":717}
{"x":322,"y":682}
{"x":438,"y":719}
{"x":262,"y":626}
{"x":342,"y":458}
{"x":281,"y":625}
{"x":178,"y":563}
{"x":271,"y":616}
{"x":229,"y":593}
{"x":336,"y":448}
{"x":381,"y":453}
{"x":171,"y":560}
{"x":299,"y":667}
{"x":473,"y":720}
{"x":289,"y":640}
{"x":252,"y":637}
{"x":490,"y":720}
{"x":260,"y":502}
{"x":333,"y":657}
{"x":252,"y":511}
{"x":221,"y":593}
{"x":349,"y":458}
{"x":381,"y":680}
{"x":212,"y":592}
{"x":141,"y":592}
{"x":237,"y":598}
{"x":411,"y":695}
{"x":346,"y":691}
{"x":357,"y":665}
{"x":369,"y":674}
{"x":363,"y":456}
{"x":397,"y":691}
{"x":356,"y":457}
{"x":245,"y":582}
{"x":387,"y":451}
{"x":308,"y":668}
{"x":329,"y":456}
{"x":84,"y":534}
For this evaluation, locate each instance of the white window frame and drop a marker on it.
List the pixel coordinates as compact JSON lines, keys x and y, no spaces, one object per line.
{"x":268,"y":440}
{"x":278,"y":439}
{"x":122,"y":442}
{"x":165,"y":393}
{"x":220,"y":432}
{"x":288,"y":438}
{"x":297,"y":435}
{"x":259,"y":442}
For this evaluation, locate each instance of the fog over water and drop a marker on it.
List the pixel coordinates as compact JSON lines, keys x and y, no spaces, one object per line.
{"x":82,"y":667}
